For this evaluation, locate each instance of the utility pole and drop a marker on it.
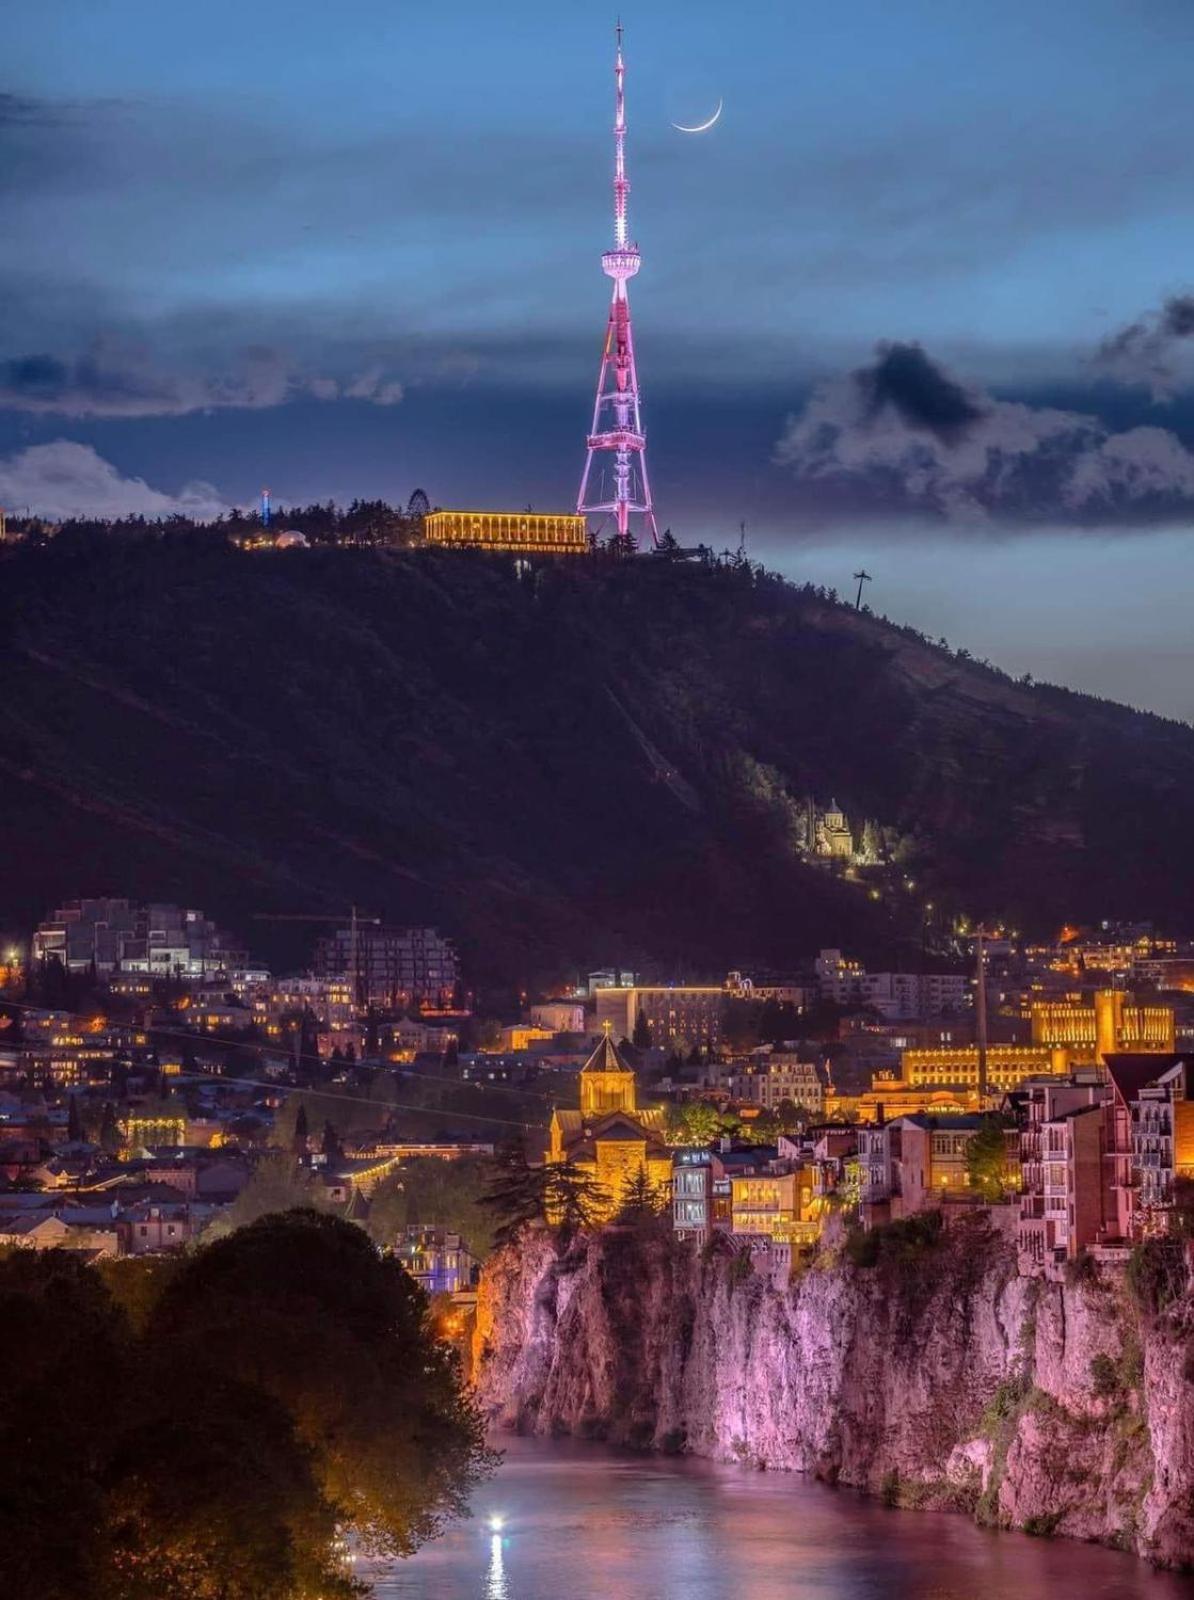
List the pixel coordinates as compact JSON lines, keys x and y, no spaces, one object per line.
{"x":863,"y":576}
{"x":980,"y":1008}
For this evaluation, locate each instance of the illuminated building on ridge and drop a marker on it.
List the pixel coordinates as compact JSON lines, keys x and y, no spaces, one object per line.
{"x":528,"y":533}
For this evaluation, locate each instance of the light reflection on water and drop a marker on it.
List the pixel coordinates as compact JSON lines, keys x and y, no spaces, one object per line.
{"x":585,"y":1523}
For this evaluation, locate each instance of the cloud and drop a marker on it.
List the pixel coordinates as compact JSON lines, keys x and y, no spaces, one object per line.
{"x":1148,"y":351}
{"x":117,"y":379}
{"x":64,"y":479}
{"x":905,"y":435}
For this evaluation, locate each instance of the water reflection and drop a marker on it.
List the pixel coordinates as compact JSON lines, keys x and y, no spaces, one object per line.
{"x":495,"y":1578}
{"x":583,"y":1523}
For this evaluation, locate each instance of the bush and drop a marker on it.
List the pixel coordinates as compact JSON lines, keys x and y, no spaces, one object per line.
{"x":898,"y":1243}
{"x":1105,"y":1379}
{"x":1082,"y":1269}
{"x":1004,"y":1403}
{"x":1157,"y":1274}
{"x":1043,"y":1526}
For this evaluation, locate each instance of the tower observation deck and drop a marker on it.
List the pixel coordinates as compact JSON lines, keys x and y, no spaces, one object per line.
{"x":614,"y":480}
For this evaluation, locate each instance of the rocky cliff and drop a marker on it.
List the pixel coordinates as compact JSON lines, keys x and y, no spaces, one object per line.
{"x":936,"y":1378}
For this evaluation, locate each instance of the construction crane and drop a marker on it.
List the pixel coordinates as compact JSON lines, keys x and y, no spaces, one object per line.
{"x":355,"y":921}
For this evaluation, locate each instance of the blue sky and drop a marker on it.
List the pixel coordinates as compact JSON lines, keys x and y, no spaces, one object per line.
{"x":917,"y":299}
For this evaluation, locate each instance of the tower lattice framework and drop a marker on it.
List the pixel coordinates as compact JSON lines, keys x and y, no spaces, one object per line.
{"x":617,"y":444}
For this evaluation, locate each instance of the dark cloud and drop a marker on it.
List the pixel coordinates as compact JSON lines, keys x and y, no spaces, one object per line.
{"x":904,"y":435}
{"x":112,"y":380}
{"x":1148,"y":351}
{"x":918,"y":389}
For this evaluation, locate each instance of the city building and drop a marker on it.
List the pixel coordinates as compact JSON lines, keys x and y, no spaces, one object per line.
{"x":780,"y":1206}
{"x":692,"y":1195}
{"x":161,"y":940}
{"x":1066,"y":1034}
{"x":780,"y":1076}
{"x":436,"y":1259}
{"x":392,"y":966}
{"x":1063,"y":1172}
{"x":559,"y":1016}
{"x":609,"y":1136}
{"x":678,"y":1015}
{"x":914,"y":1162}
{"x":525,"y":533}
{"x":897,"y":996}
{"x":1162,"y":1142}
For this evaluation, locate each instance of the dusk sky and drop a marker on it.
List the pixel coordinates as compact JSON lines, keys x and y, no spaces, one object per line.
{"x":918,"y":301}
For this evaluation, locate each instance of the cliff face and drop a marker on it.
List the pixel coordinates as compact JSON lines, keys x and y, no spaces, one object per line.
{"x":940,"y":1380}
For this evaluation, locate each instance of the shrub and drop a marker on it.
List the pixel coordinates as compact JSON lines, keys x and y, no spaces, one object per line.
{"x":1157,"y":1274}
{"x":1004,"y":1403}
{"x":1043,"y":1526}
{"x":899,"y":1243}
{"x":1105,"y":1378}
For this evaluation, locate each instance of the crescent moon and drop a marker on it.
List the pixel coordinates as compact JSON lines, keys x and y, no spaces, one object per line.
{"x":701,"y":127}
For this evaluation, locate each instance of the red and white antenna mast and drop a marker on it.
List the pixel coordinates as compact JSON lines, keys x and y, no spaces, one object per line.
{"x":620,"y":484}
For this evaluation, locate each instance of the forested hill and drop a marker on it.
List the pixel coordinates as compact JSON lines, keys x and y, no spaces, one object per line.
{"x":593,"y":761}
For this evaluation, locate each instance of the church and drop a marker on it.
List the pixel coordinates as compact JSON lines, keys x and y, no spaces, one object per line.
{"x":609,"y":1137}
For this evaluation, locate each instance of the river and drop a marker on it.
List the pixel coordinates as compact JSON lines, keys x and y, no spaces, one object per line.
{"x":582,"y":1522}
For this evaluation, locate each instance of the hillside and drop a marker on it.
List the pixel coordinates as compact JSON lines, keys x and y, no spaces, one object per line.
{"x":596,"y":761}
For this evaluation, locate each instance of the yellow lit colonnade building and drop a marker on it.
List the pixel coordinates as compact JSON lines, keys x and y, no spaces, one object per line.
{"x":1065,"y":1034}
{"x":524,"y":533}
{"x":610,"y":1138}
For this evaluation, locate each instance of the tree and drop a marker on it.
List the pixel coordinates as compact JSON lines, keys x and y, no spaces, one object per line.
{"x":444,"y":1194}
{"x":643,"y":1038}
{"x":516,"y":1194}
{"x":303,"y":1309}
{"x":109,"y":1134}
{"x":277,"y":1185}
{"x":986,"y":1160}
{"x":74,"y":1125}
{"x":574,"y":1200}
{"x":301,"y":1131}
{"x":640,"y":1202}
{"x":557,"y":1193}
{"x":763,"y":1129}
{"x":275,"y":1390}
{"x":791,"y":1117}
{"x":695,"y":1122}
{"x":330,"y":1143}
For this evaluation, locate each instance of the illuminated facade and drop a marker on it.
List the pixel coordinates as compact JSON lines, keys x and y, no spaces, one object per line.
{"x":617,"y":435}
{"x":392,"y":965}
{"x":1112,"y":1023}
{"x":609,"y":1137}
{"x":779,"y":1206}
{"x":525,"y":533}
{"x":680,"y":1014}
{"x":1065,"y":1034}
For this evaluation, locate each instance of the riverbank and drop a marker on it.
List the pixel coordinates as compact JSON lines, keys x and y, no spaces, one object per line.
{"x":935,"y":1379}
{"x":587,"y":1521}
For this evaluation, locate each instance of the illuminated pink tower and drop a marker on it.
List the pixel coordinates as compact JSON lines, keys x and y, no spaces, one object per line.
{"x":617,"y":433}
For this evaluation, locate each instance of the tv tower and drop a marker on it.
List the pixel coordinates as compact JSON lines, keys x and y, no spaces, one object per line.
{"x":617,"y":430}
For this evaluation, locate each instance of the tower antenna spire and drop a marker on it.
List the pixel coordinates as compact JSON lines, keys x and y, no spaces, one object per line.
{"x":617,"y":433}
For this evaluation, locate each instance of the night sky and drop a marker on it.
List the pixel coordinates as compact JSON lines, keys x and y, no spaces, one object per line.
{"x":919,"y":301}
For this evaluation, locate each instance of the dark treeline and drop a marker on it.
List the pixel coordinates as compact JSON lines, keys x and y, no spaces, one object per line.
{"x":215,"y":1425}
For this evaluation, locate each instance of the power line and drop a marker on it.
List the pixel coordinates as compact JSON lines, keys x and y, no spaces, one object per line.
{"x":257,"y":1044}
